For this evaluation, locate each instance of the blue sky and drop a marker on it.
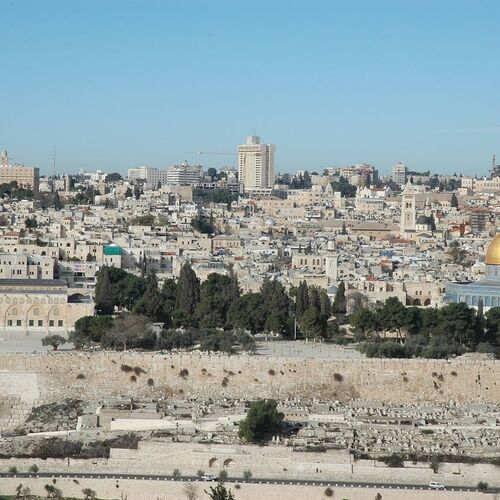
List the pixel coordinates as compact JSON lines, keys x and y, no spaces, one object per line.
{"x":116,"y":84}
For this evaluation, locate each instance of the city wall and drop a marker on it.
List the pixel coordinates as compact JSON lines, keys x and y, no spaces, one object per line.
{"x":47,"y":377}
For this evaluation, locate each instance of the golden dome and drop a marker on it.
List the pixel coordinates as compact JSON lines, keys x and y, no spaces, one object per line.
{"x":493,"y":252}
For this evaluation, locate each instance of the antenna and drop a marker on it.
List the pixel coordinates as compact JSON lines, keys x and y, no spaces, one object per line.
{"x":54,"y":163}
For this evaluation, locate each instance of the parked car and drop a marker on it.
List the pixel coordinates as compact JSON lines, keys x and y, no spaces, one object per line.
{"x":436,"y":486}
{"x":208,"y":477}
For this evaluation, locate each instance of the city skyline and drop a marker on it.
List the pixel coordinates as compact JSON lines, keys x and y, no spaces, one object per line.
{"x":115,"y":86}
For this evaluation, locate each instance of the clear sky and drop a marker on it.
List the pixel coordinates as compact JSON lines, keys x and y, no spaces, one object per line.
{"x":116,"y":84}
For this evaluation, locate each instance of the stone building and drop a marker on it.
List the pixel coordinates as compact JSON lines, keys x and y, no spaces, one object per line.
{"x":40,"y":305}
{"x":486,"y":290}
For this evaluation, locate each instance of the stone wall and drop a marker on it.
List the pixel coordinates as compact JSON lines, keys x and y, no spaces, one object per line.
{"x":103,"y":375}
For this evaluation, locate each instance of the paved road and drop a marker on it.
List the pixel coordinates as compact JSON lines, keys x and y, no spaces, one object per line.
{"x":298,"y":482}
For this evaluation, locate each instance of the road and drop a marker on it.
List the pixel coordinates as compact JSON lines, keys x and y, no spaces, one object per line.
{"x":297,"y":482}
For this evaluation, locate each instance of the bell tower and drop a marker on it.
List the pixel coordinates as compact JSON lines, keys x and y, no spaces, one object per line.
{"x":408,"y":209}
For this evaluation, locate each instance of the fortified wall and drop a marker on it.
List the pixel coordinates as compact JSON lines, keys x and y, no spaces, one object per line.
{"x":46,"y":377}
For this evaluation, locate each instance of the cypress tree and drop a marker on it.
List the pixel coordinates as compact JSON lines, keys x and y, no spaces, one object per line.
{"x":104,"y":303}
{"x":302,"y":302}
{"x":339,"y":303}
{"x":188,"y":290}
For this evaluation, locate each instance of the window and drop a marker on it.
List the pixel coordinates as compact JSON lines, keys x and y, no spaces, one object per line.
{"x":31,"y":322}
{"x":40,"y":322}
{"x":60,"y":322}
{"x":51,"y":322}
{"x":9,"y":322}
{"x":18,"y":322}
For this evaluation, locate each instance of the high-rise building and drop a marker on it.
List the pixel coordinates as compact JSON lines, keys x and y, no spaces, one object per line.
{"x":184,"y":174}
{"x":256,"y":164}
{"x":399,"y":174}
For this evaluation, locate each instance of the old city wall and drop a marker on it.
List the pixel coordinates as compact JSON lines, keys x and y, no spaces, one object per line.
{"x":102,"y":375}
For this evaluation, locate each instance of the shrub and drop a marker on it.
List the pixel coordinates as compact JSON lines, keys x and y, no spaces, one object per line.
{"x":271,"y":372}
{"x":133,"y":378}
{"x":89,"y":494}
{"x":200,"y":473}
{"x":224,"y":382}
{"x":80,"y":376}
{"x":138,"y":370}
{"x":435,"y":463}
{"x":176,"y":473}
{"x":338,"y":377}
{"x":394,"y":460}
{"x":33,"y":469}
{"x":223,"y":475}
{"x":453,"y":373}
{"x":12,"y":469}
{"x":184,"y":373}
{"x":328,"y":492}
{"x":151,"y":382}
{"x":482,"y":486}
{"x":126,"y":368}
{"x":247,"y":474}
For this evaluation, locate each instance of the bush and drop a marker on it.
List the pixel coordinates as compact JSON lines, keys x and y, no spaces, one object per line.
{"x":12,"y":469}
{"x":338,"y":377}
{"x":482,"y":486}
{"x":126,"y":368}
{"x":200,"y":473}
{"x":247,"y":474}
{"x":176,"y":473}
{"x":33,"y":469}
{"x":328,"y":492}
{"x":184,"y":373}
{"x":223,"y":475}
{"x":394,"y":460}
{"x":151,"y":382}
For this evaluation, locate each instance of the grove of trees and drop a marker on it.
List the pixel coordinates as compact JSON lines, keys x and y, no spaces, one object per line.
{"x":425,"y":332}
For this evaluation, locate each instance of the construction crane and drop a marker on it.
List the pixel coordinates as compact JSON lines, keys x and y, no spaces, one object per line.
{"x":209,"y":153}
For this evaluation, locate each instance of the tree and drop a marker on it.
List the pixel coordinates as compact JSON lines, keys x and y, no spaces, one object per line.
{"x":220,"y":492}
{"x":52,"y":491}
{"x":247,"y":312}
{"x":364,"y":323}
{"x":276,"y":304}
{"x":262,"y":421}
{"x":454,"y":201}
{"x":104,"y":303}
{"x":150,"y":304}
{"x":202,"y":225}
{"x":493,"y":325}
{"x":188,"y":291}
{"x":457,"y":323}
{"x":54,"y":340}
{"x":128,"y":330}
{"x":302,"y":301}
{"x":191,"y":491}
{"x":217,"y":293}
{"x":31,"y":223}
{"x":339,"y":303}
{"x":113,"y":177}
{"x":312,"y":324}
{"x":89,"y":494}
{"x":90,"y":329}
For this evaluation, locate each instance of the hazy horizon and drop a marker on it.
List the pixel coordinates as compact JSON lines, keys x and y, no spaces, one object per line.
{"x":121,"y":84}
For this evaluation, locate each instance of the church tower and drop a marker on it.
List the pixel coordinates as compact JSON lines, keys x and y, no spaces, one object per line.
{"x":408,"y":209}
